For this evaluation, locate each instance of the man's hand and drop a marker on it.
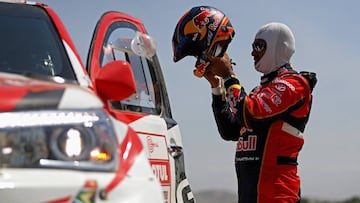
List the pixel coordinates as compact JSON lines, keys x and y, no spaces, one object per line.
{"x":220,"y":66}
{"x":212,"y":78}
{"x":214,"y":67}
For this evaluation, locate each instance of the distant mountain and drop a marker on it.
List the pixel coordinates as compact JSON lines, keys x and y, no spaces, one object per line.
{"x":215,"y":196}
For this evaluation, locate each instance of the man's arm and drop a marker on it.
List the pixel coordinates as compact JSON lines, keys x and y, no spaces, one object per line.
{"x":226,"y":122}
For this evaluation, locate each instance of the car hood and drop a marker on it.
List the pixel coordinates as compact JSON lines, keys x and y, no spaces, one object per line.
{"x":19,"y":93}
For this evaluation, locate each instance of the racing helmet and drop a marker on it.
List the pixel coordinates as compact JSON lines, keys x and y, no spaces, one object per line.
{"x":202,"y":29}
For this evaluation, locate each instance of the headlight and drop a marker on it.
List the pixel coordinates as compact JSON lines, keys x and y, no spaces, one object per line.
{"x":83,"y":140}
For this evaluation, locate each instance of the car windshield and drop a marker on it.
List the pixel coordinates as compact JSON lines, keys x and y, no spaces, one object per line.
{"x":30,"y":44}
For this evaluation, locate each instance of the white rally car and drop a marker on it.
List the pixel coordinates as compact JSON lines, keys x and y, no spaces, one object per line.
{"x":65,"y":137}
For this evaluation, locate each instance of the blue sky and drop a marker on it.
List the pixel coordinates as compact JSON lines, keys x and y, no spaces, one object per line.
{"x":326,"y":35}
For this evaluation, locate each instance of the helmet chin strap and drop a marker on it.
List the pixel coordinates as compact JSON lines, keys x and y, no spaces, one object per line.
{"x":202,"y":62}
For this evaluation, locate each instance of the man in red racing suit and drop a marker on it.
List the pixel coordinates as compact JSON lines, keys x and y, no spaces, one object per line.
{"x":269,"y":122}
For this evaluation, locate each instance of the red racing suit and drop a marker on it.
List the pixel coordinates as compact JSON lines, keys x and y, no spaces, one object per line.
{"x":267,"y":124}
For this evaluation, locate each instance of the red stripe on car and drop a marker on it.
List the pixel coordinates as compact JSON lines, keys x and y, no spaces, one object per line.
{"x":130,"y":148}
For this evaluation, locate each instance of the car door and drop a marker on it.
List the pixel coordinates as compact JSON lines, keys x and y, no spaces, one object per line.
{"x":119,"y":36}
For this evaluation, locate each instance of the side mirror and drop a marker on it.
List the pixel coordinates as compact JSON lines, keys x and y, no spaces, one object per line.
{"x":115,"y":81}
{"x":141,"y":45}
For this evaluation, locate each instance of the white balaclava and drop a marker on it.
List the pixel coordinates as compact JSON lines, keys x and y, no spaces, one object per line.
{"x":280,"y":46}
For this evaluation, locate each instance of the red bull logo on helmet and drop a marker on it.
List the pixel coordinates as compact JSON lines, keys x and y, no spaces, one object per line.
{"x":202,"y":19}
{"x":207,"y":18}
